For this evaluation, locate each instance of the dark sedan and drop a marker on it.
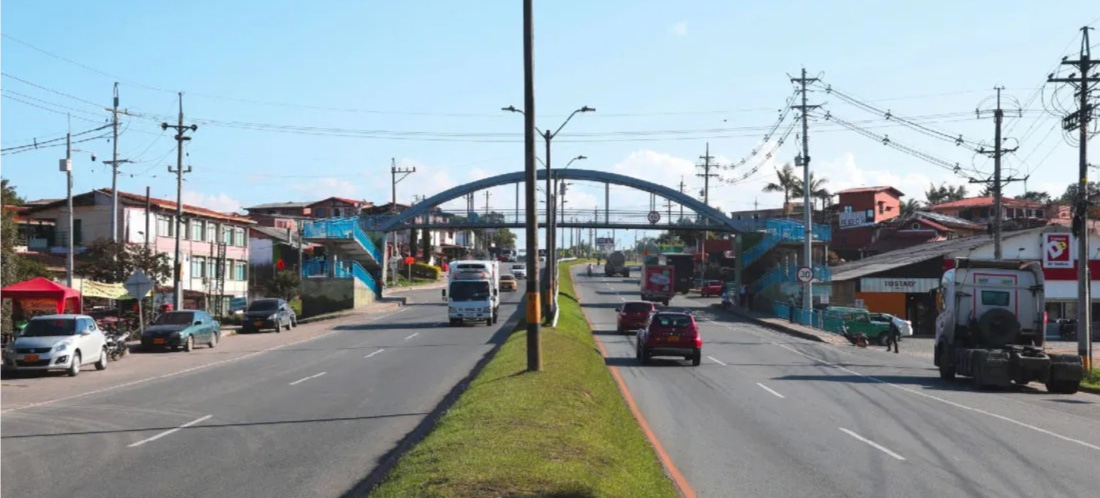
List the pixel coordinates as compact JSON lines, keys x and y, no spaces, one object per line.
{"x":268,"y":313}
{"x":181,"y":330}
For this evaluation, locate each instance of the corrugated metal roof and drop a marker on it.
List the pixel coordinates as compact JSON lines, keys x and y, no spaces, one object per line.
{"x":916,"y":254}
{"x":944,"y":219}
{"x":279,"y":205}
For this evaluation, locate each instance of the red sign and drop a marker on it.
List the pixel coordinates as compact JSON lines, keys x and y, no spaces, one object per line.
{"x":280,"y":265}
{"x":409,"y":260}
{"x":1057,"y":250}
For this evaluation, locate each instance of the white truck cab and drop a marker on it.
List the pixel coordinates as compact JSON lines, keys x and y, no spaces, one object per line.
{"x":473,"y":292}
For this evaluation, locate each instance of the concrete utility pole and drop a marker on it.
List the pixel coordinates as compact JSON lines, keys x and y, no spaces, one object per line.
{"x":682,"y":185}
{"x":394,"y":180}
{"x":1079,"y":119}
{"x":706,"y":174}
{"x":177,"y":273}
{"x":807,"y":208}
{"x":998,"y":183}
{"x":114,"y":162}
{"x":148,"y":228}
{"x":534,"y":342}
{"x":67,"y":167}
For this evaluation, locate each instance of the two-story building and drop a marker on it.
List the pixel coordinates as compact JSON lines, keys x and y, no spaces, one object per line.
{"x":208,"y":240}
{"x":858,"y":213}
{"x":980,"y":209}
{"x":336,"y":207}
{"x":281,"y":215}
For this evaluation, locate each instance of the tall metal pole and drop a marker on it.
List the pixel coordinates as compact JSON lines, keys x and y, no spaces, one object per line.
{"x":148,"y":229}
{"x":114,"y":170}
{"x":534,"y":343}
{"x":998,"y":217}
{"x":69,"y":209}
{"x":807,"y":208}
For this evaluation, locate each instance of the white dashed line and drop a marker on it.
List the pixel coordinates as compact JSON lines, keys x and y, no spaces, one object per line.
{"x":414,"y":334}
{"x":716,"y":360}
{"x":873,"y":444}
{"x":170,"y":431}
{"x":766,"y":388}
{"x":299,"y":381}
{"x":945,"y":401}
{"x":374,"y":353}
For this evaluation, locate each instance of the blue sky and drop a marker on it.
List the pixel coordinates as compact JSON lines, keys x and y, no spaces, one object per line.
{"x":694,"y":71}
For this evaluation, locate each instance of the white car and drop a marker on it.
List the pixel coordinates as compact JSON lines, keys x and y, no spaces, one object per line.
{"x":57,"y":342}
{"x":519,"y":271}
{"x":905,"y":326}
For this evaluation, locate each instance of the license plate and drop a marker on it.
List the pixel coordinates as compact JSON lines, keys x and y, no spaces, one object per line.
{"x":257,"y":323}
{"x":158,"y":341}
{"x":30,"y":357}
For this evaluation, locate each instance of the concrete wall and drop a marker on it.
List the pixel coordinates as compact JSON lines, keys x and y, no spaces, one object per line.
{"x":326,"y":295}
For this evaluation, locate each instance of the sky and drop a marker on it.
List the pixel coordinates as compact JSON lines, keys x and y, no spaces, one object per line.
{"x":301,"y":101}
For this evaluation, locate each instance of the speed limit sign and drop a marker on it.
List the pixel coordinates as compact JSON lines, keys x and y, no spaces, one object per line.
{"x":653,"y":217}
{"x":805,"y":274}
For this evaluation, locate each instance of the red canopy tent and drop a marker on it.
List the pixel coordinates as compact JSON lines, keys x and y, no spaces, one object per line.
{"x":39,"y":293}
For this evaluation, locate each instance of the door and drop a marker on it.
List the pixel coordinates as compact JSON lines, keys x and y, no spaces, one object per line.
{"x":207,"y":327}
{"x":91,"y":340}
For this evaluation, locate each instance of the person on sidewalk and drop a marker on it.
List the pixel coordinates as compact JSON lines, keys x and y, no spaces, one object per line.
{"x":893,"y":337}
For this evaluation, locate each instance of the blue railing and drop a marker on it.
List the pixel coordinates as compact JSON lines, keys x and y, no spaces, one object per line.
{"x":779,"y":230}
{"x":341,"y":228}
{"x":343,"y":269}
{"x":812,"y":318}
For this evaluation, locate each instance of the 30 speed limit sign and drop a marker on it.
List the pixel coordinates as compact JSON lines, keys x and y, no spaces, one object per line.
{"x":653,"y":217}
{"x":805,"y":274}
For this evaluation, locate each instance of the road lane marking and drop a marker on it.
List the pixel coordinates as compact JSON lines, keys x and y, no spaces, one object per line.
{"x":766,"y":388}
{"x":414,"y":334}
{"x":299,"y":381}
{"x":716,"y":360}
{"x":873,"y":444}
{"x":945,"y":401}
{"x":374,"y":353}
{"x":192,"y":369}
{"x":170,"y":431}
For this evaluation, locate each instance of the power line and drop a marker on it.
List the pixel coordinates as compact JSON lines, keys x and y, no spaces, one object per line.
{"x":57,"y":92}
{"x":887,"y":141}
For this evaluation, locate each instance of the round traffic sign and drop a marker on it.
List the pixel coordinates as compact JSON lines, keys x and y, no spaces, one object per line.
{"x":653,"y":217}
{"x":409,"y":260}
{"x":805,"y":274}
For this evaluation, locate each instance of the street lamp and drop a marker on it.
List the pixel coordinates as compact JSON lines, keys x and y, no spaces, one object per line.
{"x":550,"y":224}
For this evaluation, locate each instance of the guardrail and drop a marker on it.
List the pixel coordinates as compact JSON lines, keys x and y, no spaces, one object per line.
{"x":341,"y":228}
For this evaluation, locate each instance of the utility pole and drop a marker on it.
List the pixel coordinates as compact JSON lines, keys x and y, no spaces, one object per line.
{"x":807,"y":208}
{"x":706,"y":174}
{"x":682,"y":185}
{"x":177,"y":274}
{"x":534,"y":341}
{"x":1080,"y":120}
{"x":114,"y":162}
{"x":67,"y":167}
{"x":487,"y":195}
{"x":997,"y":152}
{"x":148,"y":228}
{"x":394,"y":180}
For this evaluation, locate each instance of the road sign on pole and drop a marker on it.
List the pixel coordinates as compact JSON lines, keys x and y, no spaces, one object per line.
{"x":138,"y":285}
{"x":653,"y":217}
{"x":805,"y":274}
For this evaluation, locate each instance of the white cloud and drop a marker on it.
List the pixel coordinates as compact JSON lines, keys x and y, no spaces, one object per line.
{"x":479,"y":174}
{"x":220,"y":202}
{"x":844,"y":173}
{"x":325,"y":187}
{"x":680,"y":28}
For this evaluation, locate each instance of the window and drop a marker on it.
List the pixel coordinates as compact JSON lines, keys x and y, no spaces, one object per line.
{"x":211,"y":270}
{"x":196,"y":230}
{"x":227,"y":235}
{"x":336,"y":212}
{"x":198,"y":267}
{"x":881,"y":207}
{"x":78,"y":232}
{"x":239,"y":238}
{"x":995,"y":298}
{"x":240,"y":270}
{"x":847,"y":209}
{"x":164,"y":226}
{"x":211,"y":231}
{"x":321,"y":212}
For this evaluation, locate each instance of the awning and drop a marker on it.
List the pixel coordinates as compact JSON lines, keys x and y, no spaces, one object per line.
{"x":39,"y":290}
{"x":91,"y":288}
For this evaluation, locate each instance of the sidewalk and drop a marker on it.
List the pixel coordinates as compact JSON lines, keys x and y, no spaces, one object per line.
{"x":785,"y":326}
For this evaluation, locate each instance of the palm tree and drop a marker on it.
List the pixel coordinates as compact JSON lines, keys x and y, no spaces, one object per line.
{"x":910,"y":207}
{"x":785,"y":181}
{"x":817,"y":189}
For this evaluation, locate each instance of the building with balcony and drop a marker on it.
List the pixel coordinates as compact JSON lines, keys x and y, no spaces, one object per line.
{"x":209,"y":240}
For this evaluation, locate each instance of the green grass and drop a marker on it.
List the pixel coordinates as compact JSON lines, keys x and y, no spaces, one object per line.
{"x":404,"y":282}
{"x":1092,"y":379}
{"x":563,"y":432}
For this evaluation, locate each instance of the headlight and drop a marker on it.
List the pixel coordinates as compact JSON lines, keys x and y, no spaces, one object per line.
{"x":272,"y":317}
{"x":61,"y":347}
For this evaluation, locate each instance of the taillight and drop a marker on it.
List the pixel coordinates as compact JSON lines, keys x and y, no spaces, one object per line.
{"x":1046,"y":318}
{"x":698,"y":337}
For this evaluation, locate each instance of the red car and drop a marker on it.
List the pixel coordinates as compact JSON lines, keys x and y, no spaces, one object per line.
{"x":634,"y":315}
{"x":711,"y":288}
{"x":670,"y":334}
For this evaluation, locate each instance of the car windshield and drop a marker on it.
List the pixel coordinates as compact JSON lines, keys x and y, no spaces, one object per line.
{"x":507,"y":277}
{"x":473,"y":290}
{"x":519,"y":267}
{"x":636,"y":307}
{"x":672,"y":320}
{"x":264,"y":305}
{"x":175,"y":318}
{"x":51,"y":327}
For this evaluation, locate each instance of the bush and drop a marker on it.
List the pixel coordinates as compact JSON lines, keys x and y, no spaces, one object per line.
{"x":424,"y":270}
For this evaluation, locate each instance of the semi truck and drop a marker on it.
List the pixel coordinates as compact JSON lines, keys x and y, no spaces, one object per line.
{"x":616,"y":265}
{"x":991,"y":327}
{"x":685,"y":267}
{"x":473,"y":292}
{"x":658,"y":283}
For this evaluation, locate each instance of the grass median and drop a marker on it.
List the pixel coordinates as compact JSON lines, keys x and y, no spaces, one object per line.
{"x":563,"y":432}
{"x":1092,"y":379}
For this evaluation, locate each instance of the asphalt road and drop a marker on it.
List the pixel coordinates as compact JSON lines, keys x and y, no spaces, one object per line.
{"x":768,"y":414}
{"x":310,"y":419}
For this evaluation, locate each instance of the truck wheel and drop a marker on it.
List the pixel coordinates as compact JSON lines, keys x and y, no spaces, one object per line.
{"x":489,"y":322}
{"x":947,"y":369}
{"x":1063,"y":386}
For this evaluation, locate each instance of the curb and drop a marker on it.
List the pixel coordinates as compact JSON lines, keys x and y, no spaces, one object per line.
{"x":777,"y":327}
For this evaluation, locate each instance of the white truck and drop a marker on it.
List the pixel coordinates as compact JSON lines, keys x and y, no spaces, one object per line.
{"x":991,"y":327}
{"x":473,"y":292}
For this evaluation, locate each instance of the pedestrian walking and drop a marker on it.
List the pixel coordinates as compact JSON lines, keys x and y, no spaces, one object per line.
{"x":893,"y":337}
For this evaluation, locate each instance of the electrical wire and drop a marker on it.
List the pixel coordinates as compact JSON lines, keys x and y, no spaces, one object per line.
{"x":40,"y":87}
{"x":53,"y":142}
{"x":885,"y":140}
{"x":44,"y":108}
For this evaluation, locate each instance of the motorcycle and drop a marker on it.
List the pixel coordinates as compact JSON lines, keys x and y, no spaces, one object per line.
{"x":858,"y":340}
{"x":116,"y":344}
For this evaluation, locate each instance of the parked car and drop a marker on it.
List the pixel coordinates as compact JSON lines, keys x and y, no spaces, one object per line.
{"x":268,"y":313}
{"x":182,"y":330}
{"x":905,"y":326}
{"x":711,"y":288}
{"x":508,"y":283}
{"x":519,"y":271}
{"x":633,"y":316}
{"x":57,"y":342}
{"x":670,"y":334}
{"x":858,"y":321}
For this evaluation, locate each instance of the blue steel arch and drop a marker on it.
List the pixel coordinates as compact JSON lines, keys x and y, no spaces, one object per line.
{"x":448,"y":195}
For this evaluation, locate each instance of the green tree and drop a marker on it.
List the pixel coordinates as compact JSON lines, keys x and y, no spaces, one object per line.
{"x":784,"y":182}
{"x":503,"y":238}
{"x":944,"y":193}
{"x":13,"y":267}
{"x":910,"y":207}
{"x":818,"y":192}
{"x":1035,"y":196}
{"x":1070,"y":195}
{"x":285,"y":284}
{"x":105,"y":260}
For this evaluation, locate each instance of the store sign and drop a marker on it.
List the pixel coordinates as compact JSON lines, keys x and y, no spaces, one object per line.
{"x":897,"y":285}
{"x":852,"y":220}
{"x":1057,"y":250}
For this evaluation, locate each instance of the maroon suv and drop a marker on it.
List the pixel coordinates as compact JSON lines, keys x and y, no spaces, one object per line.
{"x":634,"y":315}
{"x":670,"y":334}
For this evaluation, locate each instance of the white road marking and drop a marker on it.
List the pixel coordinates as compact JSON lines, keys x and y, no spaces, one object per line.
{"x":716,"y":360}
{"x":945,"y":401}
{"x":374,"y":353}
{"x":873,"y":444}
{"x":192,"y":369}
{"x":766,"y":388}
{"x":299,"y":381}
{"x":414,"y":334}
{"x":169,"y":431}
